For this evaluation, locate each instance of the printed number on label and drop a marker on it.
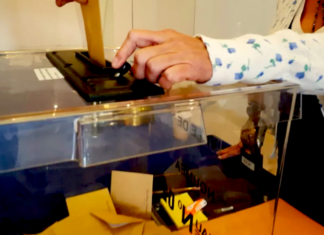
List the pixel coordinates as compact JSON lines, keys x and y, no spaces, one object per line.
{"x":248,"y":163}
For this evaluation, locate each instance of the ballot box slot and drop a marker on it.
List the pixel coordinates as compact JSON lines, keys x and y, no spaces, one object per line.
{"x":99,"y":70}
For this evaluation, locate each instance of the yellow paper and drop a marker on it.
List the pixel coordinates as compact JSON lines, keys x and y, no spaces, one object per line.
{"x":92,"y":24}
{"x":113,"y":220}
{"x":134,"y":229}
{"x":80,"y":220}
{"x":99,"y":222}
{"x":176,"y":214}
{"x":151,"y":227}
{"x":120,"y":224}
{"x":132,"y":193}
{"x":94,"y":213}
{"x":80,"y":225}
{"x":83,"y":204}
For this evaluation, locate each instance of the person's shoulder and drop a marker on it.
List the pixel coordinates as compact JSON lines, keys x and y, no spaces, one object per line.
{"x":286,"y":11}
{"x":288,"y":3}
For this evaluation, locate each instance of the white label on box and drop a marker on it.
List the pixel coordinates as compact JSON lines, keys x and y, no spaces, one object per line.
{"x":248,"y":163}
{"x":184,"y":115}
{"x":48,"y":74}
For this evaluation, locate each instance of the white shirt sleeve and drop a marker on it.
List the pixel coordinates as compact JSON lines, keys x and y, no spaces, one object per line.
{"x":255,"y":59}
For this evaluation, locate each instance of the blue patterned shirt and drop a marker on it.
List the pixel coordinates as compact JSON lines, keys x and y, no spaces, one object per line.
{"x":283,"y":55}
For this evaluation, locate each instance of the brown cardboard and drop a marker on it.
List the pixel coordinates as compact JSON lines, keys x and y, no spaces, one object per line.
{"x":132,"y":193}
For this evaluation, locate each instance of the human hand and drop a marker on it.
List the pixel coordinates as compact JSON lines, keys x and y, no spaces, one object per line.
{"x":166,"y":57}
{"x":229,"y":152}
{"x":61,"y":3}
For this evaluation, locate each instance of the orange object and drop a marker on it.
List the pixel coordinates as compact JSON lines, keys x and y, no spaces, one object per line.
{"x":195,"y":207}
{"x":290,"y":221}
{"x":308,"y":16}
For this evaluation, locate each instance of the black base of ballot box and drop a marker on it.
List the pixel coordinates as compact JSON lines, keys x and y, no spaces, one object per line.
{"x":252,"y":163}
{"x":96,"y":83}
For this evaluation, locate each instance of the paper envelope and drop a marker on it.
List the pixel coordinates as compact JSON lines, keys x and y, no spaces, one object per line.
{"x":84,"y":203}
{"x":120,"y":224}
{"x":94,"y":213}
{"x":80,"y":220}
{"x":132,"y":193}
{"x":151,"y":228}
{"x":81,"y":225}
{"x":125,"y":225}
{"x":99,"y":222}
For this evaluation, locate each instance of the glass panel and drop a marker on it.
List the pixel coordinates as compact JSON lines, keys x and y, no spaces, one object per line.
{"x":54,"y":145}
{"x":139,"y":131}
{"x":58,"y":99}
{"x":31,"y":144}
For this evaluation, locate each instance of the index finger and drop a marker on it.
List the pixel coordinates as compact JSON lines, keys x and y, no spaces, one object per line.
{"x":61,"y":3}
{"x":137,"y":39}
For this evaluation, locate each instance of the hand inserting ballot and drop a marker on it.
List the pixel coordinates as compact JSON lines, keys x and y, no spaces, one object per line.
{"x":165,"y":57}
{"x":231,"y":151}
{"x":61,"y":3}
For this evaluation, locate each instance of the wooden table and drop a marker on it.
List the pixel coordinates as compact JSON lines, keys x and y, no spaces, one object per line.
{"x":258,"y":220}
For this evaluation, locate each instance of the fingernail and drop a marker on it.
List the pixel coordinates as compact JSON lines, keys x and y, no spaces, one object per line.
{"x":114,"y":62}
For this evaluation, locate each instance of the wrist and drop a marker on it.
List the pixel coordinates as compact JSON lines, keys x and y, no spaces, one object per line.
{"x":207,"y":68}
{"x":220,"y":59}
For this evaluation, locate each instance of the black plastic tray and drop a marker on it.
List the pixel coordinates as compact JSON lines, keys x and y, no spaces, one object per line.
{"x":95,"y":83}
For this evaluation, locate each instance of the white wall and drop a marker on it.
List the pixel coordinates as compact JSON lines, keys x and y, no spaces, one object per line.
{"x":160,"y":14}
{"x":232,"y":18}
{"x":118,"y":23}
{"x":26,"y":24}
{"x":39,"y":24}
{"x":214,"y":18}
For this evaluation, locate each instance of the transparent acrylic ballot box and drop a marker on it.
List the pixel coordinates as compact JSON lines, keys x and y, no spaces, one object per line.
{"x":54,"y":145}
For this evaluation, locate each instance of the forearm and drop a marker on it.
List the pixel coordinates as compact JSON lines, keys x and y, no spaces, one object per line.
{"x":256,"y":59}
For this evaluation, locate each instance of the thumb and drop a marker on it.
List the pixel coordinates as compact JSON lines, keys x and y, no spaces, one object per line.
{"x":137,"y":39}
{"x":82,"y":1}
